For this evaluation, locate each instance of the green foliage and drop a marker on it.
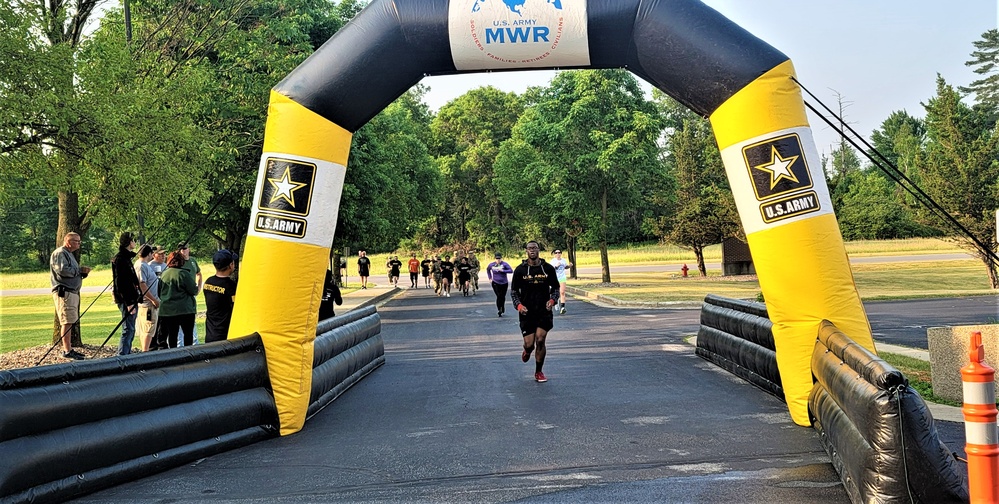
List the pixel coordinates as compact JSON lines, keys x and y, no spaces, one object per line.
{"x":584,"y":151}
{"x":984,"y":60}
{"x":389,"y":189}
{"x":869,"y":210}
{"x":465,"y":139}
{"x":961,"y":169}
{"x":695,"y":207}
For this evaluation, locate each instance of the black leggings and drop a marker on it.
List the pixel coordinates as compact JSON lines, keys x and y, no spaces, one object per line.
{"x":171,"y":327}
{"x":500,"y":290}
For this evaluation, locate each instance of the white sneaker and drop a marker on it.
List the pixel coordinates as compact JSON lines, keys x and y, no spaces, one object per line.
{"x":448,"y":294}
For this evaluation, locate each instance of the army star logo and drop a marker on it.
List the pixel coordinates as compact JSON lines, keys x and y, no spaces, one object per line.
{"x":777,"y":166}
{"x":285,"y":187}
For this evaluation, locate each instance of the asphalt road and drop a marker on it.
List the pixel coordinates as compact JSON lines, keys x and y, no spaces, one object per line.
{"x":630,"y":414}
{"x":905,"y":322}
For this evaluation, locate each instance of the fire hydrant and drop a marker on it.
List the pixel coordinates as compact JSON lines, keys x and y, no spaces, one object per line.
{"x":684,"y":270}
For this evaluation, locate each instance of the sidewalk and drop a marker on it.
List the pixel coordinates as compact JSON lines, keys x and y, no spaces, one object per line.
{"x":375,"y":294}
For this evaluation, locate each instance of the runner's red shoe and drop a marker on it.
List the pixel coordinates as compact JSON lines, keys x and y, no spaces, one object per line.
{"x":540,"y":377}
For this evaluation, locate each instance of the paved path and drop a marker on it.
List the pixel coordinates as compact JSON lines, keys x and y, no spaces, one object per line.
{"x":630,"y":414}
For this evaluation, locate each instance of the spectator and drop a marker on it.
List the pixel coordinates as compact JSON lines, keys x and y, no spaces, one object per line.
{"x":177,"y":303}
{"x":150,"y":288}
{"x":192,"y":266}
{"x":67,"y":278}
{"x":331,"y":296}
{"x":220,"y":295}
{"x":159,"y":261}
{"x":125,"y":290}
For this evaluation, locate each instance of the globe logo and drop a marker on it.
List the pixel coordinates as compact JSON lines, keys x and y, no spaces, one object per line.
{"x":515,"y":5}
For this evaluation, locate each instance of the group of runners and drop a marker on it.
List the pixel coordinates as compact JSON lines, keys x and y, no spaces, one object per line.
{"x":537,"y":288}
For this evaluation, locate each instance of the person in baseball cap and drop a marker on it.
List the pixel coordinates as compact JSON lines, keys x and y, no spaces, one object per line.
{"x":497,"y":272}
{"x":220,"y":296}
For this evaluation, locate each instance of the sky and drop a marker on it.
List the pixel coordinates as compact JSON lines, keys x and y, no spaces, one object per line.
{"x":879,"y":55}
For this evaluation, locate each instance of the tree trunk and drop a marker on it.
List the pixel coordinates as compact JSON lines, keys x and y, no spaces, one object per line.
{"x":604,"y":262}
{"x":699,"y":253}
{"x":991,"y":267}
{"x":69,"y":221}
{"x":571,"y":250}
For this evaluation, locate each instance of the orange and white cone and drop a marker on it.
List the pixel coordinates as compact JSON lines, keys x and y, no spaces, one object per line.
{"x":980,"y":431}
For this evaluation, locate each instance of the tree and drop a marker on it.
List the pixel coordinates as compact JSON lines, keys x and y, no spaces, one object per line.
{"x":391,"y":181}
{"x":961,"y":171}
{"x":258,"y":46}
{"x":466,"y":135}
{"x":90,"y":118}
{"x":984,"y":60}
{"x":585,"y":150}
{"x":698,"y":208}
{"x":870,"y":210}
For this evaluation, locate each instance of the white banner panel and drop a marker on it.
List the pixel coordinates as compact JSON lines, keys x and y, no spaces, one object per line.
{"x":284,"y":202}
{"x":777,"y":179}
{"x":508,"y":34}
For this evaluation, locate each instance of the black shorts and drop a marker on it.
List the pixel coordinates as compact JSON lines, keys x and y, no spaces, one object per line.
{"x":535,"y":319}
{"x":447,"y":276}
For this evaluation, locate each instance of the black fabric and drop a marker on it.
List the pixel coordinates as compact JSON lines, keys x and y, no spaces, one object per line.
{"x":73,"y":428}
{"x":346,"y":349}
{"x":682,"y":47}
{"x":219,"y":292}
{"x":331,"y":297}
{"x":125,"y":284}
{"x":877,"y":430}
{"x":736,"y":335}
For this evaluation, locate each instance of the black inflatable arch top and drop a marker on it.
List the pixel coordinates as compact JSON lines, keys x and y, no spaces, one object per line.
{"x":392,"y":44}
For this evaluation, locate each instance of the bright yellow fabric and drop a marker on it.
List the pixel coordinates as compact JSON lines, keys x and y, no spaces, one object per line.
{"x":802,"y":266}
{"x":805,"y":277}
{"x":770,"y":103}
{"x":280,"y":284}
{"x":294,"y":129}
{"x":279,"y":298}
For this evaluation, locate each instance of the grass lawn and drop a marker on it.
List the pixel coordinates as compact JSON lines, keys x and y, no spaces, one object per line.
{"x":27,"y":320}
{"x":873,"y":280}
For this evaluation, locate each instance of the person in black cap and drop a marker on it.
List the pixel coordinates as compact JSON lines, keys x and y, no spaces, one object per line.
{"x":220,"y":295}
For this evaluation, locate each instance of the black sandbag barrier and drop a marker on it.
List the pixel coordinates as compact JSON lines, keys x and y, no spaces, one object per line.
{"x":877,"y":430}
{"x":736,"y":336}
{"x":70,"y":429}
{"x":347,"y":348}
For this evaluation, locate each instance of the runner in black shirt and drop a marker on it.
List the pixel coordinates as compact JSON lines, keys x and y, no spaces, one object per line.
{"x":363,"y":268}
{"x":534,"y":290}
{"x":447,"y":276}
{"x":464,"y":275}
{"x":425,"y":269}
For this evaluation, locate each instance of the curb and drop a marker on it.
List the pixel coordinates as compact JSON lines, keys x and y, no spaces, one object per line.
{"x":618,"y":303}
{"x":385,"y":296}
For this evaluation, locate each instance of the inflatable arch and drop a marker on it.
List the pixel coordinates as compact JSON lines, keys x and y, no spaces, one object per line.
{"x":691,"y":52}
